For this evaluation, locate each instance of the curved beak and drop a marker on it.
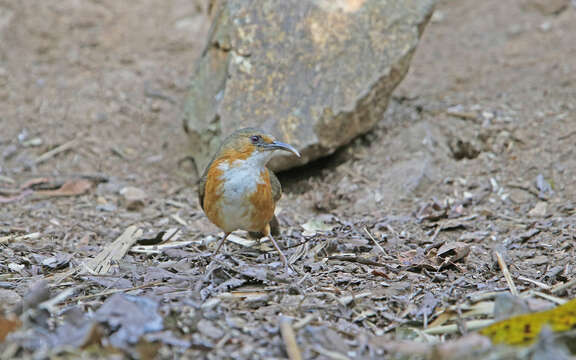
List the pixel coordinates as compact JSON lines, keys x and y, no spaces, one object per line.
{"x":277,"y":145}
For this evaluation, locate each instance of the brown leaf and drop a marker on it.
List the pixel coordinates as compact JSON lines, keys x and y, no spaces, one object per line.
{"x":7,"y":326}
{"x":35,"y":183}
{"x":72,"y":187}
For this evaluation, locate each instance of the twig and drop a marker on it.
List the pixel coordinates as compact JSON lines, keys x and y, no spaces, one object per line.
{"x":7,"y":179}
{"x":50,"y":304}
{"x":114,"y":291}
{"x":31,"y":236}
{"x":510,"y":218}
{"x":179,"y":220}
{"x":506,"y":273}
{"x":453,"y":328}
{"x":289,"y":339}
{"x":483,"y":296}
{"x":303,"y":322}
{"x":329,"y":353}
{"x":57,"y":150}
{"x":158,"y":249}
{"x":535,"y":282}
{"x":525,"y":188}
{"x":561,"y":287}
{"x":375,"y":242}
{"x":435,"y":235}
{"x":464,"y":115}
{"x":551,"y":298}
{"x":564,"y":137}
{"x":347,"y":299}
{"x":223,"y":341}
{"x":363,"y":261}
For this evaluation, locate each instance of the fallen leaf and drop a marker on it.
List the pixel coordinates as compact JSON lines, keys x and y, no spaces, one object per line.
{"x":524,"y":329}
{"x":35,"y":183}
{"x":317,"y":225}
{"x":539,"y":210}
{"x":59,"y":261}
{"x":130,"y":316}
{"x":455,"y":250}
{"x":73,"y":187}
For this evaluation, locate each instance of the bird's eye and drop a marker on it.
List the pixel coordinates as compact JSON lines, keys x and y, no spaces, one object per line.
{"x":255,"y":139}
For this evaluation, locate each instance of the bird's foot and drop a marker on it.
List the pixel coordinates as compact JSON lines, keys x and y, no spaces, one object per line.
{"x":288,"y":269}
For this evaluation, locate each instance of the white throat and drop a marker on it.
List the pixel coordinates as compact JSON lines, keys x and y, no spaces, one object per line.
{"x":242,"y":176}
{"x":258,"y":159}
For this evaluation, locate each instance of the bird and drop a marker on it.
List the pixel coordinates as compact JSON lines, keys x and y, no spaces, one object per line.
{"x":237,"y":191}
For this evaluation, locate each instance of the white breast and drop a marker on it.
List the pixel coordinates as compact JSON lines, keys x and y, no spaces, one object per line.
{"x":240,"y":180}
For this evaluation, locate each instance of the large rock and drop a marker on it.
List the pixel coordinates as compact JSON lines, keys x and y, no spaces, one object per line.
{"x":316,"y":73}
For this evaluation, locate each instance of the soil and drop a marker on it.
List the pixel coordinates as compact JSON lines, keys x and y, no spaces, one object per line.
{"x":474,"y":158}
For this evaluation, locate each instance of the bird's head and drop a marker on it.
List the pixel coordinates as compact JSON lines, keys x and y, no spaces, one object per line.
{"x":253,"y":144}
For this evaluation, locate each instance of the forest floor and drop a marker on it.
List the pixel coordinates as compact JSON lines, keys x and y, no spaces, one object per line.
{"x":400,"y":240}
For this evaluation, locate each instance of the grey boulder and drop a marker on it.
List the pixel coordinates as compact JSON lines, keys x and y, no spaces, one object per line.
{"x":316,"y":73}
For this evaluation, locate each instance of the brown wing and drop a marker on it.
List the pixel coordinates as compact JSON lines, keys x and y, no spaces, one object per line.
{"x":276,"y":195}
{"x":202,"y":185}
{"x":276,"y":186}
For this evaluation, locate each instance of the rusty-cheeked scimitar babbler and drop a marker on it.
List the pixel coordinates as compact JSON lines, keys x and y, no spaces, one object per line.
{"x":238,"y":192}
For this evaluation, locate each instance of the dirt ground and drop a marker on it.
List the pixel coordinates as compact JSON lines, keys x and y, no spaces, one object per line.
{"x":474,"y":160}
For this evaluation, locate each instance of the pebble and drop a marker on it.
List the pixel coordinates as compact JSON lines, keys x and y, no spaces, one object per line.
{"x":133,"y":198}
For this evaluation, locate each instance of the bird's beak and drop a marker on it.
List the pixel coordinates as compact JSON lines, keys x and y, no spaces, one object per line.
{"x":277,"y":145}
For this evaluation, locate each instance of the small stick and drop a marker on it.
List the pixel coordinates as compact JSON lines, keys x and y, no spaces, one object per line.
{"x":506,"y":273}
{"x":551,"y":298}
{"x":560,"y":287}
{"x":375,"y":242}
{"x":289,"y":339}
{"x":50,"y":304}
{"x":329,"y":353}
{"x":114,"y":291}
{"x":31,"y":236}
{"x":57,"y":150}
{"x":303,"y":322}
{"x":471,"y":325}
{"x":535,"y":282}
{"x":363,"y":261}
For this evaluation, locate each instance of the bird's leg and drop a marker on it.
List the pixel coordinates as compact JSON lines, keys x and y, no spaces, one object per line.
{"x":213,"y":256}
{"x":220,"y":244}
{"x":282,"y":256}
